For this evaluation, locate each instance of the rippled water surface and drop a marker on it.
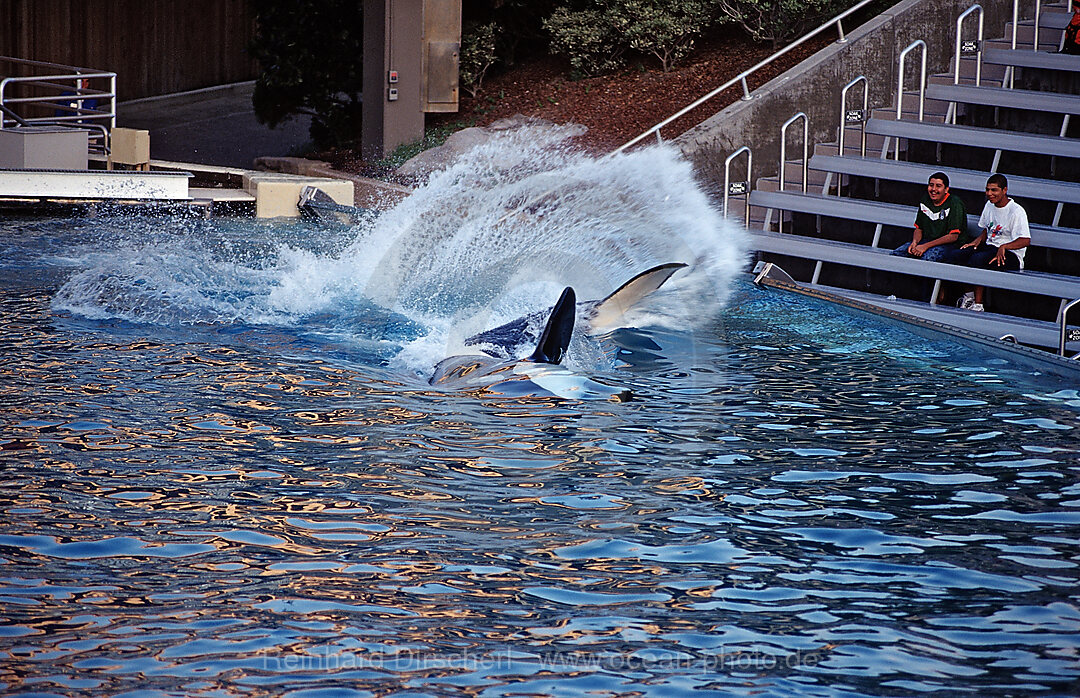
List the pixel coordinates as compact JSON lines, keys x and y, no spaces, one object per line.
{"x":799,"y":501}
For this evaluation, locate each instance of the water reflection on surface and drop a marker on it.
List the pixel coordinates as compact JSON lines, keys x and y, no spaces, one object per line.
{"x":784,"y":511}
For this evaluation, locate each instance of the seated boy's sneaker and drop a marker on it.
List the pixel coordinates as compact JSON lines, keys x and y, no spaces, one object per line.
{"x":977,"y":307}
{"x":966,"y":300}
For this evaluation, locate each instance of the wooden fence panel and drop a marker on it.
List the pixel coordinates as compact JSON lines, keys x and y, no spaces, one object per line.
{"x":155,"y":46}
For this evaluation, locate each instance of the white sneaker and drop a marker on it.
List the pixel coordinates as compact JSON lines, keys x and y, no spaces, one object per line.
{"x":977,"y":307}
{"x":966,"y":300}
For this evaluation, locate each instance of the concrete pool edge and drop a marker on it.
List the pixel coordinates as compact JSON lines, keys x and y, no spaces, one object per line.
{"x":1031,"y":358}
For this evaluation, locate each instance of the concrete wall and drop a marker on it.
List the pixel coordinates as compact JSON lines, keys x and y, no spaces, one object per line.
{"x":814,"y":86}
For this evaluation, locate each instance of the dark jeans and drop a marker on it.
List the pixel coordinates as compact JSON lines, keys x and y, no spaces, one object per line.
{"x":983,"y":257}
{"x":949,"y":253}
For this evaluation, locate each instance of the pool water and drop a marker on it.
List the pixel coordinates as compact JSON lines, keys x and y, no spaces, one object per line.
{"x":224,"y":472}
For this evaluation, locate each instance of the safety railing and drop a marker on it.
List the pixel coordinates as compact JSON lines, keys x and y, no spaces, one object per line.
{"x":783,"y":156}
{"x":738,"y":188}
{"x":918,"y":43}
{"x":968,"y":48}
{"x":1066,"y":334}
{"x":1016,"y":22}
{"x":805,"y":147}
{"x":741,"y":77}
{"x":854,"y":116}
{"x":1038,"y":13}
{"x":964,"y":48}
{"x":57,"y":94}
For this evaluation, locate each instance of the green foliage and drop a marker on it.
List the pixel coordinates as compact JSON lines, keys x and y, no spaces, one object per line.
{"x":477,"y":54}
{"x":599,"y":35}
{"x":587,"y":38}
{"x":666,"y":30}
{"x":311,"y":56}
{"x":780,"y":21}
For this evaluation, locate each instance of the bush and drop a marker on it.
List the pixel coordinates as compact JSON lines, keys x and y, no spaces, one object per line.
{"x":780,"y":21}
{"x":598,"y":35}
{"x":667,"y":30}
{"x":588,"y":38}
{"x":477,"y":54}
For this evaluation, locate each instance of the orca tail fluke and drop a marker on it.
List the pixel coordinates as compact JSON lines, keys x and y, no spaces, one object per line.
{"x":609,"y":311}
{"x":557,"y":332}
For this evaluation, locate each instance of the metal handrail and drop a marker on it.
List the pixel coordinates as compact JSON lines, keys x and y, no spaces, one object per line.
{"x":727,"y":180}
{"x":783,"y":156}
{"x":978,"y":44}
{"x":1038,"y":11}
{"x":844,"y":120}
{"x":59,"y":79}
{"x":14,"y":117}
{"x":1064,"y":324}
{"x":900,"y":83}
{"x":741,"y":77}
{"x":805,"y":147}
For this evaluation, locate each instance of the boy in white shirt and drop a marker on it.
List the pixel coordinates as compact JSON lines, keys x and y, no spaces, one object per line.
{"x":1005,"y":234}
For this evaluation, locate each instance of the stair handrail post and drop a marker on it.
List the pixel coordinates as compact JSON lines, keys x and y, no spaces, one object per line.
{"x":844,"y":113}
{"x":1015,"y":21}
{"x":1064,"y":323}
{"x":1038,"y":12}
{"x":749,"y":176}
{"x":783,"y":147}
{"x":3,"y":88}
{"x":900,"y":83}
{"x":978,"y":43}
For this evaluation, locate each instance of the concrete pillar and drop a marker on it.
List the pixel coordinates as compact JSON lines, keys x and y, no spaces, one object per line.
{"x":393,"y":50}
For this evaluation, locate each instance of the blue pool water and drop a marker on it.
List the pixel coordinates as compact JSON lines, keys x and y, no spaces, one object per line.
{"x":224,"y":472}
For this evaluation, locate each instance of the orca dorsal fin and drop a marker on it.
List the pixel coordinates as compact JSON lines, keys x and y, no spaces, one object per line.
{"x":611,"y":309}
{"x":557,"y":331}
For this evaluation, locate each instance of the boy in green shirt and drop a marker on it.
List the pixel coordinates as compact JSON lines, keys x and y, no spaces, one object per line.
{"x":940,"y":225}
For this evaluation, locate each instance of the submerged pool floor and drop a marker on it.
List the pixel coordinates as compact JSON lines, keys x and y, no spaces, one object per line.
{"x":799,"y":502}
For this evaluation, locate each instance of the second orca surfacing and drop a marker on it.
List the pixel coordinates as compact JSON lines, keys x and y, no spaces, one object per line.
{"x":543,"y":368}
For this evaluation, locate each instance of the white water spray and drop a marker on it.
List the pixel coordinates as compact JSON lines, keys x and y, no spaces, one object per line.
{"x":496,"y":235}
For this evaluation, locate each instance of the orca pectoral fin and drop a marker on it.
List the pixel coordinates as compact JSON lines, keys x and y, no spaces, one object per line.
{"x":557,"y":331}
{"x":609,"y":311}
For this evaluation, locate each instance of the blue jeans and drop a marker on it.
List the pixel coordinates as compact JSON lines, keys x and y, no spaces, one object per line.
{"x":984,"y":254}
{"x":949,"y":253}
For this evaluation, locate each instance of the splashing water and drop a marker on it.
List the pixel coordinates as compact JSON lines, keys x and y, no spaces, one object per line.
{"x":494,"y":236}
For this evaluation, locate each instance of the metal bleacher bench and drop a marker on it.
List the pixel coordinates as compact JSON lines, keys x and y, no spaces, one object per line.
{"x":897,"y":215}
{"x":969,"y":180}
{"x":1002,"y":97}
{"x":993,"y":139}
{"x":1040,"y":283}
{"x":1026,"y":58}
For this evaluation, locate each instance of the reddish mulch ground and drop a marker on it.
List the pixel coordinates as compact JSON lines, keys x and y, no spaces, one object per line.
{"x":615,"y":108}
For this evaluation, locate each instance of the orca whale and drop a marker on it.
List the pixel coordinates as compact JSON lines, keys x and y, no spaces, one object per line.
{"x":594,"y":316}
{"x":497,"y":365}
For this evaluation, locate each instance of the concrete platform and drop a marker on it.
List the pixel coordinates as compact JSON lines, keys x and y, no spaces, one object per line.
{"x":99,"y":185}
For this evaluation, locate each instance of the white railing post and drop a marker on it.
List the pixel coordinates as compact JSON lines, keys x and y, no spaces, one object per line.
{"x":978,"y":44}
{"x":805,"y":147}
{"x":1064,"y":324}
{"x":862,"y":116}
{"x":1035,"y":39}
{"x":900,"y":84}
{"x":747,"y":185}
